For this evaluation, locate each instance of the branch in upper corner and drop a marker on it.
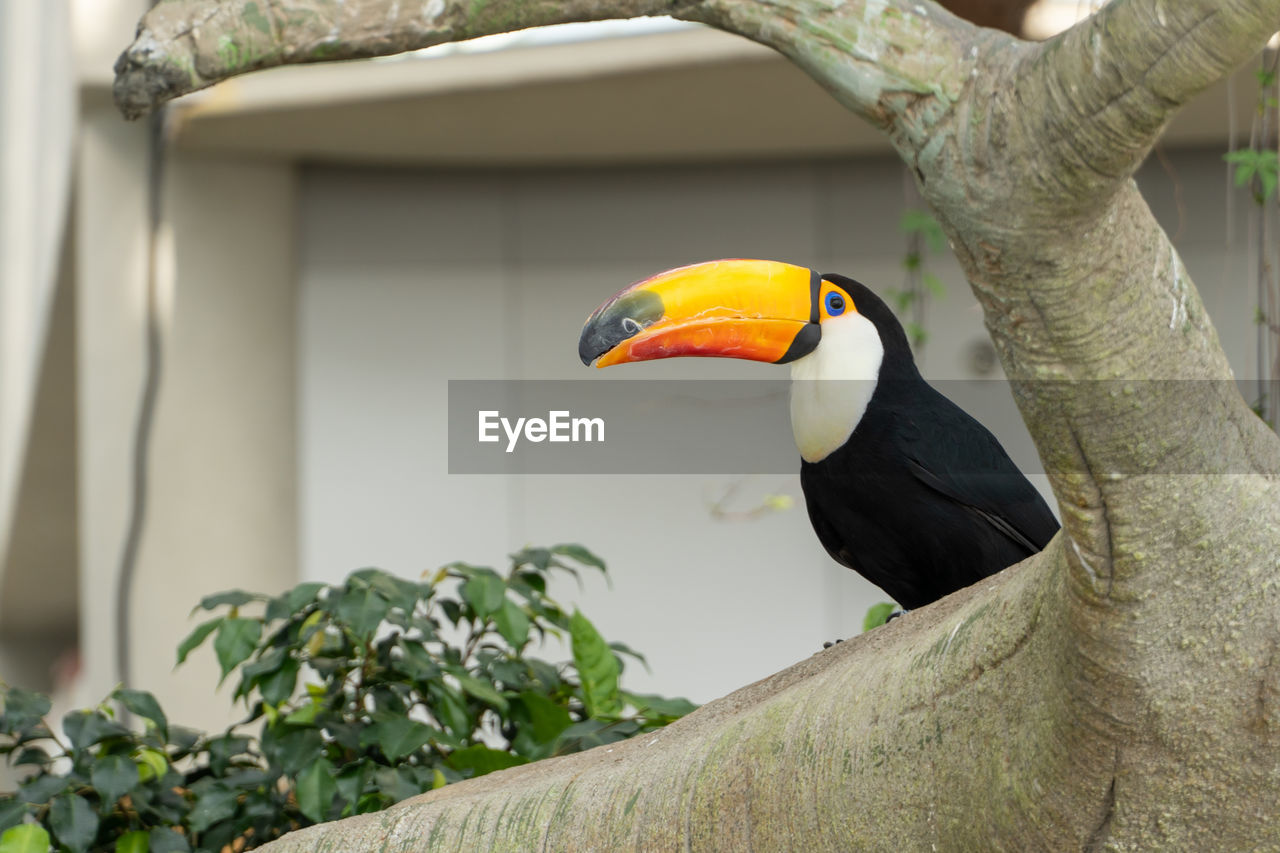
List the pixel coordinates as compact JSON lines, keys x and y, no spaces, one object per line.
{"x":1114,"y":80}
{"x":881,"y":58}
{"x":183,"y":46}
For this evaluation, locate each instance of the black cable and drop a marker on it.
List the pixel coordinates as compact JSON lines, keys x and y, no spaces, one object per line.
{"x":147,"y":405}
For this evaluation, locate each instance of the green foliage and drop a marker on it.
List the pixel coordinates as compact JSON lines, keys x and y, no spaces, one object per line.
{"x":877,"y":615}
{"x":363,"y":693}
{"x":924,"y":235}
{"x":1259,"y":170}
{"x":922,"y":222}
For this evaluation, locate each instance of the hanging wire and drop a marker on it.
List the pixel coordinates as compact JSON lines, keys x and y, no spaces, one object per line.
{"x":145,"y":422}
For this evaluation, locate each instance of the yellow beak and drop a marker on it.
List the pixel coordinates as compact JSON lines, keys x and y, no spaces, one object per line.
{"x":758,"y":310}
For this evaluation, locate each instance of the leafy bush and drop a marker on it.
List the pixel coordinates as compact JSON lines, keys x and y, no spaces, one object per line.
{"x":366,"y":692}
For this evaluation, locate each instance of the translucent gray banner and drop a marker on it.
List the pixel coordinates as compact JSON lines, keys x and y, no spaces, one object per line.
{"x":742,"y":427}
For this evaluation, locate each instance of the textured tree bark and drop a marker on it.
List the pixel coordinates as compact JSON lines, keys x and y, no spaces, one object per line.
{"x":1121,"y":690}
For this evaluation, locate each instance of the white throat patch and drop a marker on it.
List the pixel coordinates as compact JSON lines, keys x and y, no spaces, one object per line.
{"x":825,"y":412}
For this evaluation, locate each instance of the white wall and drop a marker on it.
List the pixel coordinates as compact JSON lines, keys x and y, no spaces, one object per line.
{"x":37,"y":124}
{"x":410,"y":279}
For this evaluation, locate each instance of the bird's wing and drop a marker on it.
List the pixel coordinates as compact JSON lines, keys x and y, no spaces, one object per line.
{"x":975,"y":503}
{"x":969,"y":466}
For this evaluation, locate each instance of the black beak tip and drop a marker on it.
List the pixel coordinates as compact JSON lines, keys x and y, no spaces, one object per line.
{"x":589,"y":344}
{"x":620,"y":318}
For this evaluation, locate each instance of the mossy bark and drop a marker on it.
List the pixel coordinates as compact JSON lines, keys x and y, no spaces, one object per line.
{"x":1120,"y":691}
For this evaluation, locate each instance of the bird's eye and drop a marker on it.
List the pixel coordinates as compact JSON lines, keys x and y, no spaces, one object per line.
{"x":835,"y":304}
{"x":630,"y":326}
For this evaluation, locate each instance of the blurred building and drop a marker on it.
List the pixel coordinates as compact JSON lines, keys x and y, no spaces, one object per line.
{"x":334,"y":243}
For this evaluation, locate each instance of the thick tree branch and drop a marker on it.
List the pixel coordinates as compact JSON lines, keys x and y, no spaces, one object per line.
{"x":186,"y":45}
{"x":1111,"y":83}
{"x":877,"y":743}
{"x":876,"y":56}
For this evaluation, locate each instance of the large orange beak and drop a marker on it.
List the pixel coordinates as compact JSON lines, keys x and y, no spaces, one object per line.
{"x":758,"y":310}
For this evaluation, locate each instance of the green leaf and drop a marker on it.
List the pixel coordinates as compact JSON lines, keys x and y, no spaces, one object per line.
{"x":916,"y":333}
{"x":539,"y":558}
{"x":485,"y":592}
{"x":480,"y":759}
{"x":528,"y":584}
{"x":449,"y":709}
{"x":481,"y":690}
{"x":1246,"y":161}
{"x":231,"y":598}
{"x":316,"y":789}
{"x":236,"y":640}
{"x":184,"y":739}
{"x":25,"y":838}
{"x":452,"y":610}
{"x":114,"y":776}
{"x":223,"y":750}
{"x":415,"y":662}
{"x":85,"y":728}
{"x":304,"y":716}
{"x":350,"y":782}
{"x":143,"y":704}
{"x":74,"y":822}
{"x":32,"y":755}
{"x":137,"y":841}
{"x":546,"y":718}
{"x":196,"y":637}
{"x":42,"y":788}
{"x":292,"y":748}
{"x":591,"y":733}
{"x":276,"y":687}
{"x":398,"y":736}
{"x":877,"y":615}
{"x":214,"y":803}
{"x":362,"y":610}
{"x":922,"y":222}
{"x":1267,"y":174}
{"x":168,"y":840}
{"x":399,"y":592}
{"x":288,"y":604}
{"x":933,"y":284}
{"x":12,"y":810}
{"x":597,"y":668}
{"x":650,"y":703}
{"x":252,"y":672}
{"x":152,"y":764}
{"x":23,"y":708}
{"x":580,"y":554}
{"x":513,"y":623}
{"x":394,"y":782}
{"x":624,"y":649}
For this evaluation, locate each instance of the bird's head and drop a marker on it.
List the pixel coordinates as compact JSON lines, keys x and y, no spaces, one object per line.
{"x":825,"y":326}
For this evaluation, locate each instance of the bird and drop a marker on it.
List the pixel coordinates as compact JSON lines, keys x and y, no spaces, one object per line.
{"x":901,"y":484}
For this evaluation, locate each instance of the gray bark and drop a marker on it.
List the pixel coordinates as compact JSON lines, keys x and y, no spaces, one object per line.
{"x":1121,"y":690}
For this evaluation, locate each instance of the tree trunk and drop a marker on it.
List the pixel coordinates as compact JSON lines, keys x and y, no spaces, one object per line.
{"x":1119,"y":691}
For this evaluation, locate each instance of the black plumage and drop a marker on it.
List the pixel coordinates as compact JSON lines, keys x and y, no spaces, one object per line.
{"x":921,"y":499}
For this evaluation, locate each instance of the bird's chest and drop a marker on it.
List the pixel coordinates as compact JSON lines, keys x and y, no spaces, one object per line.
{"x":825,"y":413}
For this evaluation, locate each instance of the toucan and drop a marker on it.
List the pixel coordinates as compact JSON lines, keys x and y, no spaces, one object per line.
{"x":902,"y":485}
